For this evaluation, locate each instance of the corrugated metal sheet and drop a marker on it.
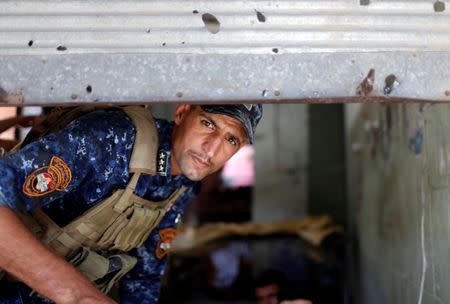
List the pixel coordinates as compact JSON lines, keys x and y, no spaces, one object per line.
{"x":138,"y":51}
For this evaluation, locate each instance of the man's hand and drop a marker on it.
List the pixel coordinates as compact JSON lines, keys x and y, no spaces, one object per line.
{"x":26,"y":258}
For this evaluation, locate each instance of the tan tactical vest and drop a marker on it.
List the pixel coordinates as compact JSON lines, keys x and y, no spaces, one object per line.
{"x":96,"y":241}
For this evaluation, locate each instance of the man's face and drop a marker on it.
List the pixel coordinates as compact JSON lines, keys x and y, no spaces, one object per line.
{"x":267,"y":294}
{"x":202,"y":142}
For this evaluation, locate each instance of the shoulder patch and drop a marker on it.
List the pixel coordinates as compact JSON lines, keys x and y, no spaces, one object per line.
{"x":56,"y":176}
{"x":166,"y":237}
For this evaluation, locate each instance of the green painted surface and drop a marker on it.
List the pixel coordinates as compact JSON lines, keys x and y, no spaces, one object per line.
{"x":399,"y":190}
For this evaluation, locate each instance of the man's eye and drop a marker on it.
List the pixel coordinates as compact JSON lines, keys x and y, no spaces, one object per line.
{"x":233,"y":141}
{"x":207,"y":123}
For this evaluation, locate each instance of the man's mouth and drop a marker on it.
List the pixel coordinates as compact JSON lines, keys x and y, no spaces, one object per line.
{"x":199,"y":162}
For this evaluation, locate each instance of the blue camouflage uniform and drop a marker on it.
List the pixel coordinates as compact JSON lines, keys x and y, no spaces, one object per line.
{"x":96,"y":148}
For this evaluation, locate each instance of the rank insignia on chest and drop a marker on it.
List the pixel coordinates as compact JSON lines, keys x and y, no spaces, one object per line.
{"x":54,"y":177}
{"x":161,"y":163}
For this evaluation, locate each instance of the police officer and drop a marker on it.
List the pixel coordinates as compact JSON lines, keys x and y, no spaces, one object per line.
{"x":67,"y":172}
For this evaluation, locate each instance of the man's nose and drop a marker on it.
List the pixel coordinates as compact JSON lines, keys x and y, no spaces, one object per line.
{"x":211,"y":145}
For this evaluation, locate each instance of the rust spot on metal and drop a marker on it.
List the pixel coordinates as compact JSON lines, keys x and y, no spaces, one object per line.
{"x":179,"y":94}
{"x":366,"y":86}
{"x":74,"y":96}
{"x":439,"y":6}
{"x":277,"y":93}
{"x":447,"y":93}
{"x":13,"y":98}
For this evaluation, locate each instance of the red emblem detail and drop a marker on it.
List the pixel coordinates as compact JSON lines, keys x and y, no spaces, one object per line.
{"x":55,"y":176}
{"x":44,"y":182}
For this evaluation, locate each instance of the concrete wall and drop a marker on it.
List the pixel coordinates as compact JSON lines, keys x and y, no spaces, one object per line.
{"x":281,"y":148}
{"x":399,"y":192}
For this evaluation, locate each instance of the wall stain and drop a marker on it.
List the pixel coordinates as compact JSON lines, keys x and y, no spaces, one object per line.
{"x":416,"y":142}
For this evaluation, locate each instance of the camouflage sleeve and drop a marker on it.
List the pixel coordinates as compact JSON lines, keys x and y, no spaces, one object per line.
{"x":90,"y":151}
{"x":142,"y":285}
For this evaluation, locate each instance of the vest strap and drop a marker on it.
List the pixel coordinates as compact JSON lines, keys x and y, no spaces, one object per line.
{"x":143,"y":157}
{"x":124,"y":200}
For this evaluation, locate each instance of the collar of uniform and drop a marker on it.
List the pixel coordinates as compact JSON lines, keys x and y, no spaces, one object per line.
{"x":165,"y":129}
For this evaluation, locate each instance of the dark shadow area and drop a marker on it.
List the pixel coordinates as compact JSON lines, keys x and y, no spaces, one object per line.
{"x":228,"y":271}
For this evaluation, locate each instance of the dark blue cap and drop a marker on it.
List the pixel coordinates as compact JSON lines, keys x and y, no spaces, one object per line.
{"x":248,"y":114}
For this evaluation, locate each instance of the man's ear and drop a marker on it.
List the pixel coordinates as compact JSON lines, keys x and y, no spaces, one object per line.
{"x":181,"y":111}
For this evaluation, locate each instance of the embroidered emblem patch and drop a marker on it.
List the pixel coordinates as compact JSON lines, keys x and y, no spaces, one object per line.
{"x":161,"y":166}
{"x":166,"y":237}
{"x":54,"y":177}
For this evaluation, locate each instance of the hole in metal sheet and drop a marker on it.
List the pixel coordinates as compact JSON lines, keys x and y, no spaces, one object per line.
{"x":277,"y":93}
{"x":51,"y":88}
{"x":61,"y":48}
{"x":163,"y":44}
{"x":265,"y":93}
{"x":183,"y":42}
{"x":30,"y":43}
{"x":275,"y":50}
{"x":74,"y":96}
{"x":390,"y":83}
{"x":148,"y":31}
{"x":211,"y":23}
{"x":179,"y":94}
{"x":364,"y":2}
{"x":89,"y":89}
{"x":195,"y":11}
{"x":439,"y":6}
{"x":260,"y":16}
